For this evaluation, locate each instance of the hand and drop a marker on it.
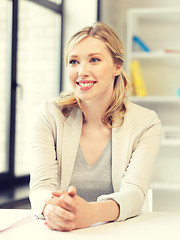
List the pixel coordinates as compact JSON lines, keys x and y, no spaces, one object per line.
{"x":67,"y":211}
{"x":83,"y":215}
{"x":58,"y":210}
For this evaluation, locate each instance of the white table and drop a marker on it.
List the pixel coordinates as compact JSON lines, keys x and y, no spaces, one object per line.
{"x":147,"y":226}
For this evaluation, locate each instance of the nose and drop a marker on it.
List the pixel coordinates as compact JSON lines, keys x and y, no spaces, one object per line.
{"x":83,"y":71}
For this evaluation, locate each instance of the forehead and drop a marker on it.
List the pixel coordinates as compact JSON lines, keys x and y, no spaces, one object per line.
{"x":90,"y":45}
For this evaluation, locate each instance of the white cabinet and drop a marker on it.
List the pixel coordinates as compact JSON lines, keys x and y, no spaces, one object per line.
{"x":159,"y":29}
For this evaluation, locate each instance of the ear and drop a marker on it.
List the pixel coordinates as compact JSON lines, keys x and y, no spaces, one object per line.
{"x":118,"y":69}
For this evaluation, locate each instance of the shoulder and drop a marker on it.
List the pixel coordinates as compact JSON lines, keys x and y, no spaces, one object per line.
{"x":49,"y":110}
{"x":139,"y":115}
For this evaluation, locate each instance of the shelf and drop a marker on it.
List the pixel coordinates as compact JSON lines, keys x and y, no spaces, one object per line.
{"x":154,"y":54}
{"x":159,"y":29}
{"x":159,"y":99}
{"x":149,"y":11}
{"x":171,"y":136}
{"x":165,"y":186}
{"x":171,"y":142}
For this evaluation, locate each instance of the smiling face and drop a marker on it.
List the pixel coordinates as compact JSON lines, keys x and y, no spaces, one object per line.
{"x":91,"y":70}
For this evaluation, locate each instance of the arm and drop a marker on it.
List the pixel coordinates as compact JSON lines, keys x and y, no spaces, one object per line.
{"x":44,"y":164}
{"x":144,"y":142}
{"x":105,"y":211}
{"x":69,"y":211}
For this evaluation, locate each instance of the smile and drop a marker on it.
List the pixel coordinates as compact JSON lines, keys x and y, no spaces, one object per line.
{"x":86,"y":85}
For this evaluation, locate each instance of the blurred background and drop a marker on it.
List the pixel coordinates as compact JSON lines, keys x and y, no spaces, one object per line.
{"x":33,"y":34}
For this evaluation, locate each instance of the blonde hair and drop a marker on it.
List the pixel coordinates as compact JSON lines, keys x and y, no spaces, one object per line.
{"x":114,"y":114}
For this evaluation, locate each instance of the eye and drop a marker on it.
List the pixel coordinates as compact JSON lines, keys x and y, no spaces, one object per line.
{"x":94,"y":60}
{"x":73,"y":62}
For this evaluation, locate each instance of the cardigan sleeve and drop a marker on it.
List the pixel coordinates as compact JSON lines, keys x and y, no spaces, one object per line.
{"x":44,"y":165}
{"x":139,"y":169}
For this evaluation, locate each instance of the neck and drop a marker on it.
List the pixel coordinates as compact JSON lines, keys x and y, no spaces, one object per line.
{"x":94,"y":112}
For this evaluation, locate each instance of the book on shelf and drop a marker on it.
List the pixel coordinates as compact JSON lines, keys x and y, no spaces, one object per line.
{"x":175,"y":51}
{"x":141,"y":43}
{"x":138,"y":80}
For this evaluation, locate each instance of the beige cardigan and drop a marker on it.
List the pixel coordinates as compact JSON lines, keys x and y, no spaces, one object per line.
{"x":55,"y":142}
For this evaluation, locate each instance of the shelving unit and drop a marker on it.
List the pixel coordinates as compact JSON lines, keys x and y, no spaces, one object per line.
{"x":159,"y":28}
{"x":154,"y":55}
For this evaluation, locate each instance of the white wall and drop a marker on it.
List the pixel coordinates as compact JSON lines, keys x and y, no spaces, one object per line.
{"x":114,"y":12}
{"x":77,"y":14}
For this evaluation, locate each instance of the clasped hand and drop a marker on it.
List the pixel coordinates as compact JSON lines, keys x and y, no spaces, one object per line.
{"x":66,"y":211}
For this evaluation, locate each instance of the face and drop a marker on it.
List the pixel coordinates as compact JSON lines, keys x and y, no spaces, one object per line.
{"x":91,"y":70}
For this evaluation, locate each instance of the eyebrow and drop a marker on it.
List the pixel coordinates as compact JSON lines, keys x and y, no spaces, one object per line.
{"x":89,"y":55}
{"x":73,"y":56}
{"x":92,"y":54}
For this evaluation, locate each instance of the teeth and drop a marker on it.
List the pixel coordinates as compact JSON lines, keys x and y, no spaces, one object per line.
{"x":85,"y":84}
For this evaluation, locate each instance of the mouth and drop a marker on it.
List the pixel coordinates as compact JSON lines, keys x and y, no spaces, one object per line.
{"x":86,"y":85}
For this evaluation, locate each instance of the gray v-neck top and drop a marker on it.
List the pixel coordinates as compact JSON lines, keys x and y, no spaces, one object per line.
{"x":96,"y":180}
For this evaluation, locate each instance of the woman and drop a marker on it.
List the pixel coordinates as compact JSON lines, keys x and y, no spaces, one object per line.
{"x":93,"y":151}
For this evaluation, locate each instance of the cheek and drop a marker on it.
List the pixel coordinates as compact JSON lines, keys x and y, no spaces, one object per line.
{"x":71,"y":75}
{"x":102,"y":71}
{"x":109,"y":72}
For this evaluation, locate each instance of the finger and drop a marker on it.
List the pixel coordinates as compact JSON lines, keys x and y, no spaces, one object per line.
{"x":59,"y":203}
{"x":72,"y":191}
{"x":52,"y":201}
{"x":55,"y":194}
{"x":68,"y":202}
{"x":61,"y":213}
{"x":65,"y":201}
{"x":56,"y":212}
{"x":57,"y":218}
{"x":58,"y":194}
{"x":59,"y":225}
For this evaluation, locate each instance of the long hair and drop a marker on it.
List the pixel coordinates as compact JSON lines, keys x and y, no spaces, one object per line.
{"x":114,"y":114}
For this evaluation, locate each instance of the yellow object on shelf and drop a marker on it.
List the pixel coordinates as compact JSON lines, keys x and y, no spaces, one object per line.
{"x":138,"y":80}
